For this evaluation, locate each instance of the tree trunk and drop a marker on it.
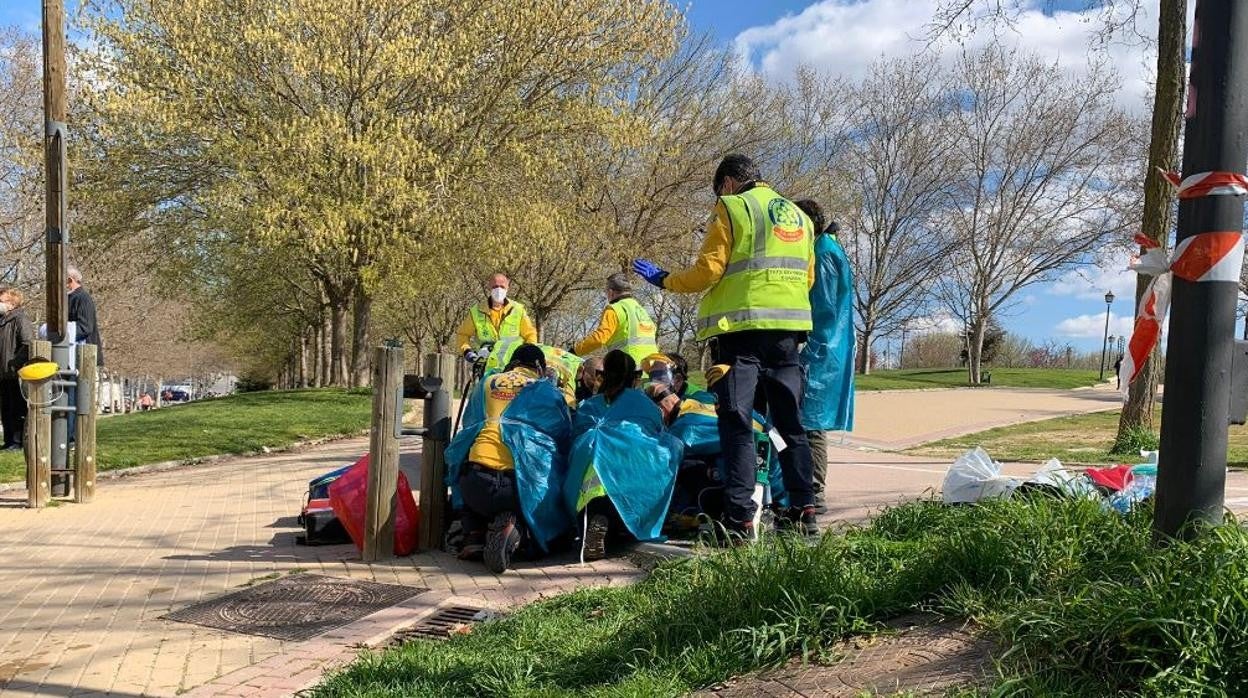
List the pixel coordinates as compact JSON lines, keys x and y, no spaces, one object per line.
{"x":975,"y":351}
{"x":1158,"y":197}
{"x":863,"y":360}
{"x":303,"y":359}
{"x":362,"y":311}
{"x":338,"y":343}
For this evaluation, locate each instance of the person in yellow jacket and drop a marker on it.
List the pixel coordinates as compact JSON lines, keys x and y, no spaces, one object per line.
{"x":624,"y":325}
{"x":756,"y":266}
{"x":497,"y":321}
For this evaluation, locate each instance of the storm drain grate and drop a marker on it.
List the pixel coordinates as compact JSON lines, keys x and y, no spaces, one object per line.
{"x":441,"y":625}
{"x":297,"y":607}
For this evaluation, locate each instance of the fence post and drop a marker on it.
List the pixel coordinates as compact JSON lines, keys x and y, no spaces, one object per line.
{"x":433,"y":451}
{"x":38,"y":437}
{"x":84,"y":437}
{"x":383,"y":454}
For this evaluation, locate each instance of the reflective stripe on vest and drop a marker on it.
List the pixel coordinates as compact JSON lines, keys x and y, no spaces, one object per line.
{"x":636,"y":332}
{"x":765,"y":283}
{"x":509,"y":326}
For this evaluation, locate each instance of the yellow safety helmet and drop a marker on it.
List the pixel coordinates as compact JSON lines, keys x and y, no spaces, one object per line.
{"x":38,"y":371}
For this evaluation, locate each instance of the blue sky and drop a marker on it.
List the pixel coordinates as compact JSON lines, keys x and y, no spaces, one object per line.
{"x":845,"y":36}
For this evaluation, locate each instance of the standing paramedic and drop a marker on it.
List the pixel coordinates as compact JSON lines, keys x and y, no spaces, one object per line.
{"x":758,"y":263}
{"x":624,"y":325}
{"x":498,"y":322}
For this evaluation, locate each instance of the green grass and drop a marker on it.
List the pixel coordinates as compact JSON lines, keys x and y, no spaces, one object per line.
{"x":1079,"y":600}
{"x":1056,"y":378}
{"x":242,"y":423}
{"x":1081,"y":439}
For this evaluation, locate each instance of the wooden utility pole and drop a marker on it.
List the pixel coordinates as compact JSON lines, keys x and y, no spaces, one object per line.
{"x":383,"y":455}
{"x":54,"y":113}
{"x":1191,"y":476}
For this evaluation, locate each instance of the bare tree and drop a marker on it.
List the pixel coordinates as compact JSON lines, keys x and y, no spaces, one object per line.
{"x":896,"y":166}
{"x":1039,"y":180}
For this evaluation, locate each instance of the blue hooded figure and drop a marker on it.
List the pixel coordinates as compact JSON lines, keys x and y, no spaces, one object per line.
{"x":623,"y":462}
{"x":509,"y":456}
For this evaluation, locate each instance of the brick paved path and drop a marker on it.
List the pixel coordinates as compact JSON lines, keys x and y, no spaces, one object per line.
{"x":83,"y":586}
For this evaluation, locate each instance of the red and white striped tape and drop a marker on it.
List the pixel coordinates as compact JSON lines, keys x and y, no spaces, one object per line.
{"x":1214,"y":256}
{"x":1208,"y":184}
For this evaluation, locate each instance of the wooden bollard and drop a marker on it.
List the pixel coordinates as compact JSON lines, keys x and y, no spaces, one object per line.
{"x":38,"y":437}
{"x":84,"y":436}
{"x":383,"y":459}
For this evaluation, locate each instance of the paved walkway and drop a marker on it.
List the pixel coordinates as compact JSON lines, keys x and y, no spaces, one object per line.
{"x":899,"y":419}
{"x":85,"y":585}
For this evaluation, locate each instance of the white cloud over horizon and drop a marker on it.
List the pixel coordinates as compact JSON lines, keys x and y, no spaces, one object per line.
{"x":1092,"y":326}
{"x":845,"y":38}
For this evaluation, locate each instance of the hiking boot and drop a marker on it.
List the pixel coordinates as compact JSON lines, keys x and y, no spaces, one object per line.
{"x":501,"y":542}
{"x":471,"y":546}
{"x":727,"y":533}
{"x":595,"y":543}
{"x":801,"y":520}
{"x":821,"y":504}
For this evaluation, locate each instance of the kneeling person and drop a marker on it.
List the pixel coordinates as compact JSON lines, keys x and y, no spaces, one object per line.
{"x":492,"y":521}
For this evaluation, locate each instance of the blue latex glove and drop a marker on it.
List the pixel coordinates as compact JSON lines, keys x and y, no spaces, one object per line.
{"x":649,"y":271}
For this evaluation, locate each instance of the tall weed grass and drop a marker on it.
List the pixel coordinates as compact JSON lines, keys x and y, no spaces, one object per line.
{"x":1081,"y":601}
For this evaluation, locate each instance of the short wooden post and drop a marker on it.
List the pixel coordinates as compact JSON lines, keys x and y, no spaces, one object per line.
{"x":383,"y":459}
{"x":84,"y":436}
{"x":38,"y":437}
{"x":433,"y":451}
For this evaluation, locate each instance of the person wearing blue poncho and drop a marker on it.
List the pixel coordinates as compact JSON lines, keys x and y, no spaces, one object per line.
{"x":507,"y":463}
{"x":623,"y":463}
{"x":828,"y":357}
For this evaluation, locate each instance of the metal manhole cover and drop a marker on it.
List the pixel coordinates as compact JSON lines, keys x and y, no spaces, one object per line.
{"x":441,"y":625}
{"x":297,"y":607}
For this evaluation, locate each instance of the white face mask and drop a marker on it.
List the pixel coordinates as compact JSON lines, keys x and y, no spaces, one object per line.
{"x":498,"y":295}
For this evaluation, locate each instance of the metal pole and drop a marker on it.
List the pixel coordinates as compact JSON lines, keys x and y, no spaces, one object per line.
{"x":433,"y":497}
{"x":1105,"y":341}
{"x":1191,"y":479}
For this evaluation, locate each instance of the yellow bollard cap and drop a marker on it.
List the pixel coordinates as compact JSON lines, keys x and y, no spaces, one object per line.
{"x":38,"y":371}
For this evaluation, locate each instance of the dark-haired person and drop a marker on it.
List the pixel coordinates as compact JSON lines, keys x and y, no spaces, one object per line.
{"x":622,"y":467}
{"x":624,"y":324}
{"x":756,"y":266}
{"x":827,"y":357}
{"x":487,"y":482}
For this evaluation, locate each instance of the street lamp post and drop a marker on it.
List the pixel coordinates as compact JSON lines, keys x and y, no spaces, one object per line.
{"x":1109,"y":301}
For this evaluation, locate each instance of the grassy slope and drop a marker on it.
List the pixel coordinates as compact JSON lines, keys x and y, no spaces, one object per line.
{"x":1079,"y":439}
{"x":1079,"y":599}
{"x":236,"y":424}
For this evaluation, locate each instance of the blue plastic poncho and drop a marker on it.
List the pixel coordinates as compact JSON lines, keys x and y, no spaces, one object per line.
{"x":829,"y":353}
{"x":697,"y":427}
{"x":622,"y":451}
{"x":536,"y":428}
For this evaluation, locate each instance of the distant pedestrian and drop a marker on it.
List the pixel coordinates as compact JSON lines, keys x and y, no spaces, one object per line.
{"x":1118,"y":371}
{"x":82,"y":314}
{"x":16,"y":333}
{"x":145,"y":402}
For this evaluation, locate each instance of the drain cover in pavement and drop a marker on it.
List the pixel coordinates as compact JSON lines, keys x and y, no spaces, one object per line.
{"x":441,"y":625}
{"x":296,"y":607}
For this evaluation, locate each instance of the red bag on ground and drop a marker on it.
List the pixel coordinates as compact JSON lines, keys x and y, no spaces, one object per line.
{"x":1114,"y":479}
{"x":347,"y":497}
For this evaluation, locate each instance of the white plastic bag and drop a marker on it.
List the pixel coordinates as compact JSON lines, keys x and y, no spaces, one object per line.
{"x":1072,"y":484}
{"x":975,"y":476}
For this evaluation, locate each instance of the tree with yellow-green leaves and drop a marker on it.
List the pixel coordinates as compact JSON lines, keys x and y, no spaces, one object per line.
{"x":345,"y":138}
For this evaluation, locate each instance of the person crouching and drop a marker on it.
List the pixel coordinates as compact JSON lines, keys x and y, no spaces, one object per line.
{"x":491,"y":518}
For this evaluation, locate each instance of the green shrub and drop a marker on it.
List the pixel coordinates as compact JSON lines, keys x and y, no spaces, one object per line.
{"x":1134,"y":440}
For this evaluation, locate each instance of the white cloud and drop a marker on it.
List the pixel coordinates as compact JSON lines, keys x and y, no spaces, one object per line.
{"x":1091,"y":283}
{"x":934,"y":324}
{"x":845,"y":37}
{"x":1093,"y":326}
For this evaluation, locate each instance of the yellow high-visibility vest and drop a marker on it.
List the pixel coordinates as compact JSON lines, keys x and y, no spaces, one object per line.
{"x":635,"y":334}
{"x":765,"y":285}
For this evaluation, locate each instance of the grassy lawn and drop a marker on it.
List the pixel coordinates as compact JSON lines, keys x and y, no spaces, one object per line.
{"x":236,"y":424}
{"x":1058,"y":378}
{"x":910,"y":379}
{"x":1080,"y":439}
{"x":1078,"y":599}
